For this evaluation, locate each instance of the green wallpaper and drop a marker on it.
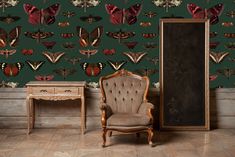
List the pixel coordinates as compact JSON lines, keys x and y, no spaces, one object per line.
{"x":27,"y":74}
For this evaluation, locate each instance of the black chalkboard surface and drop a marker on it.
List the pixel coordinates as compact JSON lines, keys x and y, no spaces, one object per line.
{"x":184,"y":74}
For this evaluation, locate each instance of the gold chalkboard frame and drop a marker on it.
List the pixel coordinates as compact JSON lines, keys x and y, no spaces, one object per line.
{"x":207,"y":107}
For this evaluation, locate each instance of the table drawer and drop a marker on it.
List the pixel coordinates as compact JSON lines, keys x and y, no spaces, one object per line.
{"x":43,"y":90}
{"x":67,"y":90}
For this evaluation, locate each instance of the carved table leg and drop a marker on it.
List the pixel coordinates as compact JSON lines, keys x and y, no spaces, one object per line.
{"x":28,"y":115}
{"x":150,"y":136}
{"x":32,"y":112}
{"x":83,"y":122}
{"x":110,"y":133}
{"x":104,"y":137}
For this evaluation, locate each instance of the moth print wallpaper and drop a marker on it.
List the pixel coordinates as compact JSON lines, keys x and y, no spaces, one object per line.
{"x":76,"y":40}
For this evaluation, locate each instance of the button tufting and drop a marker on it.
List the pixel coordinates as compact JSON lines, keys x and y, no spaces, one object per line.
{"x":119,"y":92}
{"x":136,"y":91}
{"x":127,"y":92}
{"x":115,"y":99}
{"x":106,"y":84}
{"x":123,"y":99}
{"x":131,"y":99}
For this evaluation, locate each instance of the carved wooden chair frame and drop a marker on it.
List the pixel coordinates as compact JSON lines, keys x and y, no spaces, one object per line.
{"x":148,"y":129}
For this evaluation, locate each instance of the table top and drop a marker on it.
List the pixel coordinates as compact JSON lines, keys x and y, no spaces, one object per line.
{"x":57,"y":83}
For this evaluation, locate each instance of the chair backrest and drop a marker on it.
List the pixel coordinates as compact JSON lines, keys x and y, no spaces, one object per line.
{"x":124,"y":91}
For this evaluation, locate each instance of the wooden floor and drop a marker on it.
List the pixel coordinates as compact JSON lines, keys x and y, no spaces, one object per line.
{"x":69,"y":143}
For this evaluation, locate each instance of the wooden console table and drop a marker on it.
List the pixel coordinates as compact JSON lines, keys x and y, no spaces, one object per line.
{"x":56,"y":91}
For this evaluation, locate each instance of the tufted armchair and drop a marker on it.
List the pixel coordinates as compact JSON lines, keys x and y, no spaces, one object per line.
{"x":124,"y":105}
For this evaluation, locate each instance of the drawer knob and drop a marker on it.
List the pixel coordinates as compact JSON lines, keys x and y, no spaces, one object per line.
{"x":43,"y":91}
{"x":68,"y":91}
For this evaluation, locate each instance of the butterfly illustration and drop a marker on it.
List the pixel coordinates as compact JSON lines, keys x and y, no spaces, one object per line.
{"x":39,"y":35}
{"x":229,"y":35}
{"x":135,"y":57}
{"x":92,"y":69}
{"x":231,"y":59}
{"x":44,"y":77}
{"x":167,"y":3}
{"x":90,"y":19}
{"x":226,"y":72}
{"x":146,"y":71}
{"x":9,"y":19}
{"x":150,"y":14}
{"x":150,"y":45}
{"x":120,"y":35}
{"x":8,"y":3}
{"x":130,"y":45}
{"x":66,"y":35}
{"x":121,"y":16}
{"x":49,"y":44}
{"x":85,"y":3}
{"x":35,"y":65}
{"x":69,"y":14}
{"x":11,"y":38}
{"x":212,"y":13}
{"x":109,"y":51}
{"x":27,"y":51}
{"x":227,"y":24}
{"x":213,"y":34}
{"x":230,"y":45}
{"x":64,"y":72}
{"x":145,"y":24}
{"x":7,"y":52}
{"x":116,"y":65}
{"x":154,"y":60}
{"x":41,"y":16}
{"x":53,"y":57}
{"x":11,"y":69}
{"x":218,"y":57}
{"x":149,"y":35}
{"x":89,"y":39}
{"x":88,"y":52}
{"x":73,"y":60}
{"x":231,"y":13}
{"x":68,"y":45}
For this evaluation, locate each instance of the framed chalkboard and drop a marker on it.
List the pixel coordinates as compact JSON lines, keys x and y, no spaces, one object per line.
{"x":184,"y":74}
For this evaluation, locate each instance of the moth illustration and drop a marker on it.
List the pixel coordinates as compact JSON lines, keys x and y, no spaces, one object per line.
{"x":109,"y":51}
{"x":92,"y":69}
{"x":11,"y":69}
{"x":90,"y":18}
{"x":27,"y":51}
{"x":64,"y":72}
{"x":66,"y":35}
{"x":227,"y":24}
{"x":85,"y":3}
{"x":145,"y":24}
{"x":41,"y":16}
{"x":44,"y":77}
{"x":35,"y":65}
{"x":218,"y":57}
{"x":9,"y":19}
{"x":135,"y":57}
{"x":53,"y":57}
{"x":230,"y":45}
{"x":120,"y":35}
{"x":88,"y":52}
{"x":130,"y":45}
{"x":213,"y":45}
{"x":167,"y":3}
{"x":154,"y":60}
{"x":146,"y":71}
{"x":38,"y":35}
{"x":49,"y":44}
{"x":7,"y":52}
{"x":89,"y":39}
{"x":212,"y":13}
{"x":11,"y":38}
{"x":116,"y":65}
{"x":149,"y":35}
{"x":231,"y":13}
{"x":8,"y":3}
{"x":63,"y":24}
{"x":150,"y":14}
{"x":69,"y":14}
{"x":121,"y":16}
{"x":68,"y":45}
{"x":226,"y":72}
{"x":229,"y":35}
{"x":213,"y":77}
{"x":73,"y":60}
{"x":213,"y":34}
{"x":150,"y":45}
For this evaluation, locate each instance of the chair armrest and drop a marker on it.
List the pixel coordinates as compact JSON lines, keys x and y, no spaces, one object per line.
{"x":146,"y":108}
{"x":106,"y":112}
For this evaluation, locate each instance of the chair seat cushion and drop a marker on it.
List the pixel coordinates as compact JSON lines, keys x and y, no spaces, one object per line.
{"x":128,"y":119}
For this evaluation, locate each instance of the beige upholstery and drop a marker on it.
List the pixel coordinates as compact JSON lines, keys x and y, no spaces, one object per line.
{"x":124,"y":102}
